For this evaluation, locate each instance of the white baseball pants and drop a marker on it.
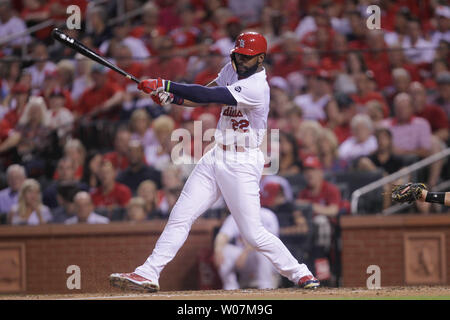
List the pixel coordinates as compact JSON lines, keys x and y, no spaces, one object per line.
{"x":235,"y":176}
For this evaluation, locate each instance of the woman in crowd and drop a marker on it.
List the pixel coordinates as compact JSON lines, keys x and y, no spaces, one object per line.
{"x":29,"y":209}
{"x":328,"y":152}
{"x":289,"y":158}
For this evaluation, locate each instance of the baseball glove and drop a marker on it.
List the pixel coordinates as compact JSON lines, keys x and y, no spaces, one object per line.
{"x":408,"y":192}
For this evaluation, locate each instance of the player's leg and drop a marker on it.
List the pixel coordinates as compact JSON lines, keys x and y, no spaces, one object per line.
{"x":227,"y":270}
{"x":264,"y":272}
{"x":238,"y":182}
{"x":199,"y":193}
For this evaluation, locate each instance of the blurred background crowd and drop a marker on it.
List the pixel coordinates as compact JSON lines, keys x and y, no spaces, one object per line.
{"x":79,"y":143}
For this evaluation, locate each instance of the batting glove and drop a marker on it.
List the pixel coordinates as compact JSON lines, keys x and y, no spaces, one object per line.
{"x":151,"y":85}
{"x":164,"y":98}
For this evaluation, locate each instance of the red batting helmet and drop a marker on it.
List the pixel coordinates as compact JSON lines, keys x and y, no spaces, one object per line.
{"x":250,"y":44}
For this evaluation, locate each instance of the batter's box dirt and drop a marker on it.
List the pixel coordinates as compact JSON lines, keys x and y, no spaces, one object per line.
{"x":419,"y":292}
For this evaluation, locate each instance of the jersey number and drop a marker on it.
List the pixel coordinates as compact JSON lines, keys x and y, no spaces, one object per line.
{"x":240,"y":125}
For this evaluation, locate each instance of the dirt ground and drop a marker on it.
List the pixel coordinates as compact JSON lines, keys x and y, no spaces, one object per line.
{"x":420,"y":292}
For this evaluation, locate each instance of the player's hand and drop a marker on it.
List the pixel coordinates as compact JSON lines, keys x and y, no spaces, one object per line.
{"x":162,"y":98}
{"x":151,"y":85}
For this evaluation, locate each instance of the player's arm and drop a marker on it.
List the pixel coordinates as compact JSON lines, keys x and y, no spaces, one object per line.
{"x":192,"y":92}
{"x":188,"y":103}
{"x":220,"y":242}
{"x":435,"y":197}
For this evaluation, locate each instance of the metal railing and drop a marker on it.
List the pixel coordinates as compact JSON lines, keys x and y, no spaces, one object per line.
{"x":356,"y":195}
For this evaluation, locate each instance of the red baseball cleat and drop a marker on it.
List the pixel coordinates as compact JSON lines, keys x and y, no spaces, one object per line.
{"x":308,"y":282}
{"x":133,"y":281}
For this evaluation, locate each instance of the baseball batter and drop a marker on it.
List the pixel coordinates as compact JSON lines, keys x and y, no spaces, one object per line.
{"x":231,"y":169}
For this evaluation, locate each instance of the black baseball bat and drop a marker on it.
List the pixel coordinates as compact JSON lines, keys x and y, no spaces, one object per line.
{"x":85,"y":51}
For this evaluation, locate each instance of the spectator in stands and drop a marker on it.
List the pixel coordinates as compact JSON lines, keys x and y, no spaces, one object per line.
{"x":362,"y":142}
{"x":158,"y":155}
{"x":281,"y":114}
{"x":400,"y":32}
{"x":150,"y":31}
{"x":11,"y":24}
{"x":136,"y":210}
{"x":29,"y":209}
{"x":442,"y":32}
{"x":167,"y":64}
{"x":375,"y":110}
{"x":123,"y":57}
{"x":307,"y":135}
{"x":397,"y":59}
{"x":233,"y":27}
{"x":187,"y":35}
{"x":289,"y":58}
{"x":66,"y":169}
{"x":313,"y":103}
{"x":91,"y":169}
{"x":171,"y":180}
{"x":410,"y":135}
{"x":84,"y":208}
{"x":119,"y":156}
{"x":60,"y":118}
{"x":290,"y":163}
{"x":367,"y":92}
{"x":111,"y":196}
{"x":141,"y":128}
{"x":238,"y":264}
{"x":401,"y":79}
{"x":101,"y":97}
{"x":41,"y":67}
{"x":15,"y":176}
{"x":137,"y":170}
{"x":96,"y":19}
{"x":30,"y":138}
{"x":213,"y":64}
{"x":75,"y":150}
{"x":14,"y":104}
{"x":435,"y":115}
{"x":323,"y":196}
{"x":275,"y":191}
{"x":148,"y":191}
{"x":442,"y":97}
{"x":65,"y":193}
{"x":418,"y":49}
{"x":383,"y":157}
{"x":121,"y":35}
{"x":328,"y":152}
{"x":82,"y":78}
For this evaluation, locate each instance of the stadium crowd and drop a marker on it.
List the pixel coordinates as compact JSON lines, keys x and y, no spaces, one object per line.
{"x":79,"y":142}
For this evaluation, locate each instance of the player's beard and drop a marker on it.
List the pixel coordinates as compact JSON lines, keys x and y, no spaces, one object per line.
{"x":243,"y":71}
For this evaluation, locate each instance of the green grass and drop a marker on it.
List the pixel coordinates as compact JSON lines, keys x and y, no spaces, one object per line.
{"x":446,"y":297}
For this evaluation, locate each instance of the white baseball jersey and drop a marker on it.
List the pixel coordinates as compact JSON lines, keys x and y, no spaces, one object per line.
{"x":245,"y":124}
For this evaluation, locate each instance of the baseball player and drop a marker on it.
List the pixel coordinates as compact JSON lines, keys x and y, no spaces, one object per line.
{"x":239,"y":260}
{"x":410,"y":192}
{"x":232,"y":168}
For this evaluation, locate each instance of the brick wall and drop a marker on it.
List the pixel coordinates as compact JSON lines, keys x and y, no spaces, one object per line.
{"x":100,"y":250}
{"x":379,"y":240}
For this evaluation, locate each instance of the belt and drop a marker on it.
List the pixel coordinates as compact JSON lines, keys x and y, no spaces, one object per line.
{"x":231,"y":147}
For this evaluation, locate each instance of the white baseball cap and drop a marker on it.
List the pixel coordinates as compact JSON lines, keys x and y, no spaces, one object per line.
{"x":443,"y":11}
